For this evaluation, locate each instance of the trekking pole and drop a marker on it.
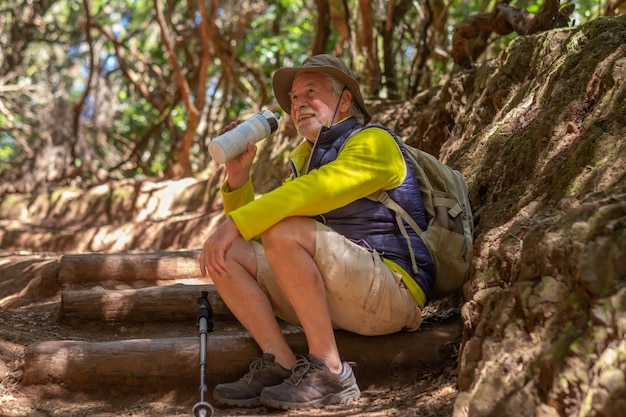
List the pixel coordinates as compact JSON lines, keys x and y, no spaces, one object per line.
{"x":206,"y":323}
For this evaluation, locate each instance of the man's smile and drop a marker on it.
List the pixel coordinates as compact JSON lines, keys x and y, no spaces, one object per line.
{"x":304,"y":116}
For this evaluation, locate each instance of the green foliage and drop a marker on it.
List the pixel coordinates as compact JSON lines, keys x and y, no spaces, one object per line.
{"x":133,"y":115}
{"x":268,"y":47}
{"x":7,"y":149}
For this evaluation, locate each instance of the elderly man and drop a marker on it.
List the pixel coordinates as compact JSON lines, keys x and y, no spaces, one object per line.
{"x":316,"y":251}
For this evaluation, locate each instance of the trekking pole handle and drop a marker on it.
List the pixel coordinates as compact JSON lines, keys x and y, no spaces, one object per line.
{"x":205,"y":312}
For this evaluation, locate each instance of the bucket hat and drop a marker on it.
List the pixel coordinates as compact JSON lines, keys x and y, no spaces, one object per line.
{"x":323,"y":63}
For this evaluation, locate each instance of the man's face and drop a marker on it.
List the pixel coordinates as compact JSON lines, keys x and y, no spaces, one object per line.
{"x":313,"y":104}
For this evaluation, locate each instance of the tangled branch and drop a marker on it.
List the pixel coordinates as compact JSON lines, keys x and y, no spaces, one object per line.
{"x":503,"y":20}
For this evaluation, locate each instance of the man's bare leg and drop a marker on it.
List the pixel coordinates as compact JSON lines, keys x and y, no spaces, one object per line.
{"x":290,"y":247}
{"x":249,"y":303}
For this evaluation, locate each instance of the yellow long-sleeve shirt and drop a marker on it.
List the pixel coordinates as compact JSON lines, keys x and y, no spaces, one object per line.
{"x":369,"y":161}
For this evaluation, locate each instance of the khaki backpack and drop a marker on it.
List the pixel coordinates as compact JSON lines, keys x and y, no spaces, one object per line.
{"x":450,"y":234}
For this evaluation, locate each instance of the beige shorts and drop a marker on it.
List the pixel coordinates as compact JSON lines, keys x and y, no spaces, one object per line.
{"x":364,"y":294}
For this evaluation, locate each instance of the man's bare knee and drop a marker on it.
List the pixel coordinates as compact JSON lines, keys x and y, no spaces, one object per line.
{"x":289,"y":231}
{"x":241,"y":255}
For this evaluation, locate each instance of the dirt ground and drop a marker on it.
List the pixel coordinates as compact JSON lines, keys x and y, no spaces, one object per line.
{"x":29,"y":305}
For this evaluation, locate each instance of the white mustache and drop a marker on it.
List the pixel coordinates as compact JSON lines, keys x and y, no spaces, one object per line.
{"x":307,"y":111}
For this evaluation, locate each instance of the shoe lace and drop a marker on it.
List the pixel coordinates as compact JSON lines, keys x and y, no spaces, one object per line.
{"x":299,"y":370}
{"x":255,"y":367}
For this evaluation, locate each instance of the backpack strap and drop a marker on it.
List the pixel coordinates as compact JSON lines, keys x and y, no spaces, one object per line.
{"x":401,"y":214}
{"x":383,"y":197}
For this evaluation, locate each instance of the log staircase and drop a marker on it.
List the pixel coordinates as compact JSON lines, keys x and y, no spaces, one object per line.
{"x":145,"y":305}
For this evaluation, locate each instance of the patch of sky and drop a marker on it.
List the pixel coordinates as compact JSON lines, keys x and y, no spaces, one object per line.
{"x":87,"y":111}
{"x":110,"y":64}
{"x":212,"y":87}
{"x":197,"y":19}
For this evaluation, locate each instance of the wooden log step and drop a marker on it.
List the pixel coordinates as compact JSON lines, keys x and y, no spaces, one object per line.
{"x":150,"y":266}
{"x":167,"y":303}
{"x":155,"y":365}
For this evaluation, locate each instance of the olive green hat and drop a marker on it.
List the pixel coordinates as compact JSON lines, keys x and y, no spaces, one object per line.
{"x":326,"y":64}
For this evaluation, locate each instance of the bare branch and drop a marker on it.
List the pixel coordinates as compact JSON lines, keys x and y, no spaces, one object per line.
{"x":78,"y":107}
{"x":181,"y":82}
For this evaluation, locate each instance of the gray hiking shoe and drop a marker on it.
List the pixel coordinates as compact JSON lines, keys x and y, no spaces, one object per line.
{"x":312,"y":384}
{"x":264,"y":372}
